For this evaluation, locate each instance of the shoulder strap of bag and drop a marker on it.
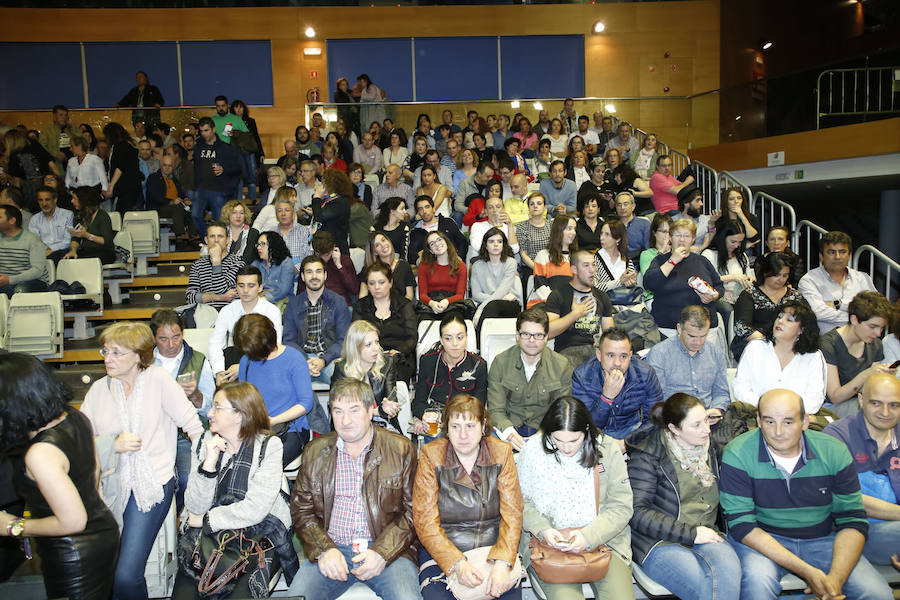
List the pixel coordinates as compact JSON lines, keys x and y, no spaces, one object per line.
{"x":597,"y":488}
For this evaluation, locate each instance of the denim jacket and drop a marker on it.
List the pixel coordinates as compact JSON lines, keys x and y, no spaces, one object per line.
{"x":630,"y":409}
{"x":278,"y":280}
{"x":335,"y":317}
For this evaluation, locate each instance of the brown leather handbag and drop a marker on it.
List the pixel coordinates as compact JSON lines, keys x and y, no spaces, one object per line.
{"x":555,"y":566}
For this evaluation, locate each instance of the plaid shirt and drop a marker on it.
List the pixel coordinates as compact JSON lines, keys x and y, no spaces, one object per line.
{"x":348,"y":512}
{"x":314,"y":343}
{"x":533,"y":239}
{"x":297,"y":241}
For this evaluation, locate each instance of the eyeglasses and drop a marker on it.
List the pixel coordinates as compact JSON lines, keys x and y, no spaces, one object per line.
{"x":114,"y":353}
{"x":261,"y":244}
{"x":217,"y":407}
{"x":532,"y":336}
{"x":681,"y":236}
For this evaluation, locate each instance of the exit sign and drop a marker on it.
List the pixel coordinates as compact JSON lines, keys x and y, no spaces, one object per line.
{"x":798,"y":174}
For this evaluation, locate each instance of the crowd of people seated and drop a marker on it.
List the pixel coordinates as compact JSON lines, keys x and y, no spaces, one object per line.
{"x":609,"y":422}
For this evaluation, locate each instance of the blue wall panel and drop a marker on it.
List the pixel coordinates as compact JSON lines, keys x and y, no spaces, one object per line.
{"x":236,"y":69}
{"x":39,"y":75}
{"x":387,"y":62}
{"x":456,"y":68}
{"x":111,"y":67}
{"x":542,"y":66}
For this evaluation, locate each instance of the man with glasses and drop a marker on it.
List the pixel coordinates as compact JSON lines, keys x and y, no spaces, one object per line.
{"x":617,"y":390}
{"x":525,"y":379}
{"x":307,"y":186}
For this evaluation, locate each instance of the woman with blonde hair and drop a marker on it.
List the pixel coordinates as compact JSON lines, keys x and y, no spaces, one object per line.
{"x":363,"y":358}
{"x":135,"y":412}
{"x":241,"y":237}
{"x":468,"y":163}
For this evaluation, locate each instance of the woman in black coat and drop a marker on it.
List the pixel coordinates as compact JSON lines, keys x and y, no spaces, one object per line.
{"x":331,"y":206}
{"x":124,"y":171}
{"x":676,"y":535}
{"x":393,"y":315}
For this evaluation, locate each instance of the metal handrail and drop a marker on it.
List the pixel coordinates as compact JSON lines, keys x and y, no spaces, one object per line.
{"x":706,"y":181}
{"x":865,"y":82}
{"x":889,"y":265}
{"x":680,"y":160}
{"x":765,"y":207}
{"x":807,"y":229}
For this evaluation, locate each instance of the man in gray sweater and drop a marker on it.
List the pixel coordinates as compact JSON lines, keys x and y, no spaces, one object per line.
{"x":23,"y":266}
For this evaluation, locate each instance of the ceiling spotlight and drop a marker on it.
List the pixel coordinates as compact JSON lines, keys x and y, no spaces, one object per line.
{"x":610,"y":108}
{"x":538,"y":106}
{"x":767,"y":44}
{"x":514,"y":104}
{"x":737,"y":118}
{"x":599,"y":27}
{"x":310,"y":32}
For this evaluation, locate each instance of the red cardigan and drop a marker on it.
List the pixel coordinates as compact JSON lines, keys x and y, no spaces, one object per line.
{"x":437,"y":277}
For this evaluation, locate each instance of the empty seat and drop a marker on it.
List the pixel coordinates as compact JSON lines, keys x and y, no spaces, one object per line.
{"x":198,"y":339}
{"x":496,"y":336}
{"x":116,"y":220}
{"x":4,"y":309}
{"x":117,"y":273}
{"x":51,"y":270}
{"x":89,"y":272}
{"x":144,"y":228}
{"x":34,"y":324}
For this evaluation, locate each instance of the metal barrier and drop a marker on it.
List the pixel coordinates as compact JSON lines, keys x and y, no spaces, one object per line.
{"x":771,"y":211}
{"x":706,"y":181}
{"x":862,"y":92}
{"x":680,"y":161}
{"x":806,"y":238}
{"x":881,"y":266}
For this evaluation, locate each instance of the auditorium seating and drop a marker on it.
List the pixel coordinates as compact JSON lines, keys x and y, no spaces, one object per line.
{"x":144,"y":228}
{"x":89,"y":272}
{"x":34,"y":324}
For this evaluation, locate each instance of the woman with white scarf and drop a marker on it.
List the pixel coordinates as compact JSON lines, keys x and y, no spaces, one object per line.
{"x":556,"y":475}
{"x":676,"y":531}
{"x":136,"y":412}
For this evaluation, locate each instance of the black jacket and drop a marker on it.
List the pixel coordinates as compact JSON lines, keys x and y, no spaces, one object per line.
{"x":156,"y":190}
{"x":398,"y":332}
{"x":334,"y":217}
{"x":657,"y":500}
{"x":437,"y":382}
{"x":445,"y":224}
{"x":152,"y":97}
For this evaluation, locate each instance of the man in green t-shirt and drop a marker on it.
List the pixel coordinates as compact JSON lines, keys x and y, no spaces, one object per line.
{"x":226,"y":121}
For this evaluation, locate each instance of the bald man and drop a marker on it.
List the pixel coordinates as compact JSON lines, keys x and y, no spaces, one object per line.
{"x":873,"y":438}
{"x":792,"y":502}
{"x":392,"y":187}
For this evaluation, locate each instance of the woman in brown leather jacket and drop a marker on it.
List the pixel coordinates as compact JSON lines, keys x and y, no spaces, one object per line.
{"x":466,"y":495}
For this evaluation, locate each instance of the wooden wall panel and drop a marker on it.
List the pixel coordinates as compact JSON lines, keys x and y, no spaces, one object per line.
{"x":878,"y":137}
{"x":637,"y":34}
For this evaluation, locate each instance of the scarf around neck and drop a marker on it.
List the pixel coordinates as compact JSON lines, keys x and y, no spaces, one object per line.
{"x":694,"y":460}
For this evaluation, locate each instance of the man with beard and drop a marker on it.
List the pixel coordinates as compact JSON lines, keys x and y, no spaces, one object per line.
{"x":316,"y":320}
{"x":690,"y":203}
{"x":226,"y":121}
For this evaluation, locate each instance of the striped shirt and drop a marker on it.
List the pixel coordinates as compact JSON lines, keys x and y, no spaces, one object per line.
{"x":348,"y":511}
{"x":206,"y":278}
{"x":23,"y":257}
{"x":821,"y":495}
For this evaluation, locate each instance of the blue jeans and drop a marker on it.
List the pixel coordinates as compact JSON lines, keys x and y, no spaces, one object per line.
{"x":398,"y":581}
{"x":139,"y":531}
{"x":708,"y":571}
{"x":761,"y":577}
{"x":883,"y":541}
{"x":182,"y":470}
{"x":325,"y":374}
{"x":33,"y":285}
{"x":203,"y":199}
{"x":248,"y":162}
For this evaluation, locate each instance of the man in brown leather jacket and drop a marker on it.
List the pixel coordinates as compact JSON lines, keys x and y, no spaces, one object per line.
{"x":352,"y":504}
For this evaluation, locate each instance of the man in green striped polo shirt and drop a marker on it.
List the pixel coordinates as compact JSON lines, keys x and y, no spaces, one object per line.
{"x":792,"y":502}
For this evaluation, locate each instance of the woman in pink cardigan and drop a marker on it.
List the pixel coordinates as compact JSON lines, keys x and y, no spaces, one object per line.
{"x":136,"y":412}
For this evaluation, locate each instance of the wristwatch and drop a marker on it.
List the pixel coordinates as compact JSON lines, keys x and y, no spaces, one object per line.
{"x":16,"y":527}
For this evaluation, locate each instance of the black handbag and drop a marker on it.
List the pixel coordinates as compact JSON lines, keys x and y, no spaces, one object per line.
{"x":217,"y":560}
